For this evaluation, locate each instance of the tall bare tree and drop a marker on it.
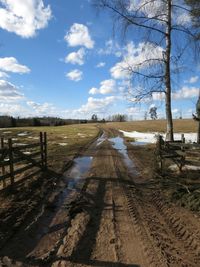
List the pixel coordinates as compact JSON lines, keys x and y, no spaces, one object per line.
{"x":161,"y":24}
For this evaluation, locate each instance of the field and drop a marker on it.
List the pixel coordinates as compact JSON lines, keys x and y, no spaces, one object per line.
{"x":180,"y":126}
{"x":102,"y":202}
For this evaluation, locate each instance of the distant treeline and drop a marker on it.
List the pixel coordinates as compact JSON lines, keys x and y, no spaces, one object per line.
{"x":9,"y":121}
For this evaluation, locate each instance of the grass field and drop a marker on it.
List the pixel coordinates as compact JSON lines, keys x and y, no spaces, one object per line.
{"x":64,"y":142}
{"x":184,"y":126}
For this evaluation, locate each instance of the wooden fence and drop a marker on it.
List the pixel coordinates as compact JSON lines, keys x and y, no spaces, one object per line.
{"x":13,"y":155}
{"x":179,"y":152}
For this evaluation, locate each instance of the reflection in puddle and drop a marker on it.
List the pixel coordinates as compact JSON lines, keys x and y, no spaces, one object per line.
{"x":118,"y":144}
{"x":138,"y":143}
{"x":101,"y":139}
{"x":79,"y":169}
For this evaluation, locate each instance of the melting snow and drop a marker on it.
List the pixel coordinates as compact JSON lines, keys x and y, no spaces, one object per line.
{"x":151,"y":137}
{"x":62,"y":144}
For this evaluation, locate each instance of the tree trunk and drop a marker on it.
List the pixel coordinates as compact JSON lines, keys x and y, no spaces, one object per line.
{"x":198,"y":133}
{"x":170,"y":135}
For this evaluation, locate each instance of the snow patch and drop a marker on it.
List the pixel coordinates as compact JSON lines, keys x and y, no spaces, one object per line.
{"x":62,"y":144}
{"x":151,"y":137}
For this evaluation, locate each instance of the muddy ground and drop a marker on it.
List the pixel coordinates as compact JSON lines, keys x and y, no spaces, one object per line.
{"x":106,"y":210}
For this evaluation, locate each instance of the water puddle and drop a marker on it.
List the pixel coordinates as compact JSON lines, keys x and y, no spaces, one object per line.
{"x":80,"y":167}
{"x":101,"y":139}
{"x":118,"y":144}
{"x":138,"y":143}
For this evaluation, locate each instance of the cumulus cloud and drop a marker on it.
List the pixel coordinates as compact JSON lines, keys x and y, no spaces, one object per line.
{"x":24,"y":17}
{"x":193,"y":79}
{"x":12,"y":109}
{"x":152,"y":9}
{"x":175,"y":111}
{"x":79,"y":35}
{"x":149,"y":8}
{"x":106,"y":87}
{"x":186,"y":92}
{"x":3,"y":75}
{"x":111,"y":48}
{"x":157,"y":96}
{"x":100,"y":65}
{"x":42,"y":109}
{"x":9,"y":92}
{"x":10,"y":64}
{"x":137,"y":58}
{"x":97,"y":105}
{"x":75,"y":75}
{"x":76,"y":57}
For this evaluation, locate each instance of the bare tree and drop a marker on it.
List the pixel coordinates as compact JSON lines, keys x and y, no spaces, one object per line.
{"x":162,"y":23}
{"x":153,"y":113}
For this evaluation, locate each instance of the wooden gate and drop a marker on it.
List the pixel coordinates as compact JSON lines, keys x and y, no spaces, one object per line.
{"x":14,"y":155}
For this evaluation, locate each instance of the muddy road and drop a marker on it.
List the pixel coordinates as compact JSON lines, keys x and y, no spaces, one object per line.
{"x":103,"y":212}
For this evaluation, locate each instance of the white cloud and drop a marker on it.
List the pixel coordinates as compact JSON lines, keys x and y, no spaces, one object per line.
{"x":193,"y":79}
{"x":78,"y":35}
{"x":133,"y":110}
{"x":157,"y":96}
{"x":186,"y":92}
{"x":76,"y":57}
{"x":149,"y":8}
{"x":137,"y":58}
{"x":12,"y":109}
{"x":96,"y":105}
{"x":10,"y":64}
{"x":106,"y":87}
{"x":111,"y":47}
{"x":42,"y":109}
{"x":3,"y":75}
{"x":94,"y":91}
{"x":183,"y":18}
{"x":75,"y":75}
{"x":24,"y":17}
{"x":175,"y":111}
{"x":100,"y":65}
{"x":9,"y":92}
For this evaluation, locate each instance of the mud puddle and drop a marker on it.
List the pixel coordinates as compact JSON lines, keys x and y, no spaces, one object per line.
{"x":76,"y":173}
{"x":118,"y":144}
{"x":40,"y":235}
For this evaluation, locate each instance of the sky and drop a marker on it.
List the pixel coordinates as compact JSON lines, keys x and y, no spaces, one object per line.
{"x":63,"y":58}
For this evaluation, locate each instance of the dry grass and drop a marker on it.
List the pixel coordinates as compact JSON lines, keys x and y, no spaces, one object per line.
{"x":185,"y":126}
{"x":64,"y":142}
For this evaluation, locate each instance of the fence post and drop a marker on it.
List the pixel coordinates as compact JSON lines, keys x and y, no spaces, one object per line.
{"x":3,"y":167}
{"x":182,"y":138}
{"x":45,"y":150}
{"x":42,"y":149}
{"x":10,"y":147}
{"x":159,"y":142}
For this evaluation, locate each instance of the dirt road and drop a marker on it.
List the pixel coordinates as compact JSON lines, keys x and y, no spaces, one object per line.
{"x":104,"y":213}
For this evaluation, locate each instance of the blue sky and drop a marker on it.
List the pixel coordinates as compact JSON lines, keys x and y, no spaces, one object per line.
{"x":59,"y":58}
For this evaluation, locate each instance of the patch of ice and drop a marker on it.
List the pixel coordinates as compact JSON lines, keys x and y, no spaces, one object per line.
{"x":152,"y":137}
{"x":7,"y":132}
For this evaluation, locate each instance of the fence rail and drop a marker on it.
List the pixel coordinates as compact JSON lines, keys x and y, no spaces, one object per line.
{"x":12,"y":155}
{"x":178,"y":152}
